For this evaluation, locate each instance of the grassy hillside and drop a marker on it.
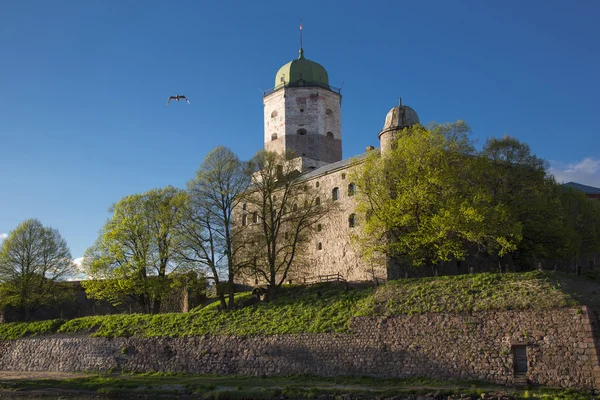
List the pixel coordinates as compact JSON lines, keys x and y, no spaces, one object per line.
{"x":328,"y":308}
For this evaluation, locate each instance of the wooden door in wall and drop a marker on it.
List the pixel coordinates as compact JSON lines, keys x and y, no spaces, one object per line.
{"x":520,"y":359}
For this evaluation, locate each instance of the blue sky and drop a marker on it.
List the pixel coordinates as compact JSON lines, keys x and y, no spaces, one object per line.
{"x":83,"y":86}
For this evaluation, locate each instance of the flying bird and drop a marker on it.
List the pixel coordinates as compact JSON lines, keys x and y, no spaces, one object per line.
{"x":177,"y":98}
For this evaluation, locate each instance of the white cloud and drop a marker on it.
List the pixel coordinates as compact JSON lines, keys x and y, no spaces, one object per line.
{"x":586,"y":171}
{"x":79,"y":272}
{"x":3,"y":236}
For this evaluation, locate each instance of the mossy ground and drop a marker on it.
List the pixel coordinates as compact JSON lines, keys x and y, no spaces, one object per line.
{"x":329,"y":308}
{"x":244,"y":387}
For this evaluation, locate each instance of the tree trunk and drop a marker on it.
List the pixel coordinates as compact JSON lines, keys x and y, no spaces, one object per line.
{"x":156,"y":306}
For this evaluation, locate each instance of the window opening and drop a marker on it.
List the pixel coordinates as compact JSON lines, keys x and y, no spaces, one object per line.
{"x":254,"y":218}
{"x":352,"y":221}
{"x":330,"y":135}
{"x":320,"y":246}
{"x":351,"y":189}
{"x":274,"y":136}
{"x":301,"y":131}
{"x":244,"y":220}
{"x":335,"y":193}
{"x":319,"y":228}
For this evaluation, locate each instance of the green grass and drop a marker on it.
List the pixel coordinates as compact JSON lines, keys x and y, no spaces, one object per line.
{"x":293,"y":387}
{"x":468,"y":293}
{"x":328,"y":308}
{"x":15,"y":330}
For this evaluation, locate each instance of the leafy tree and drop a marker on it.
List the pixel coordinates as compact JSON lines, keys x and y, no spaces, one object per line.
{"x":208,"y":238}
{"x":135,"y":250}
{"x":425,"y":203}
{"x":581,"y":226}
{"x":519,"y":180}
{"x":282,"y":209}
{"x":33,"y":259}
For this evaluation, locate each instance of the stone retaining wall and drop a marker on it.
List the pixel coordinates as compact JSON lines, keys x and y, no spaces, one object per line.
{"x":560,"y":343}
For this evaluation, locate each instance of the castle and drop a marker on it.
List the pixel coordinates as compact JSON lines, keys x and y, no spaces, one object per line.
{"x":302,"y":116}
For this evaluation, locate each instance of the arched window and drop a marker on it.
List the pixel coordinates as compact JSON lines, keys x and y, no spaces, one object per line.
{"x":335,"y":193}
{"x":351,"y":189}
{"x":317,"y":184}
{"x":274,"y":136}
{"x":305,"y":188}
{"x":301,"y":131}
{"x":328,"y":111}
{"x":244,"y":206}
{"x":319,"y":227}
{"x":274,"y":114}
{"x":295,"y":207}
{"x":352,"y":221}
{"x":330,"y":135}
{"x":343,"y":176}
{"x":254,"y":218}
{"x":244,"y":220}
{"x":317,"y":201}
{"x":320,"y":246}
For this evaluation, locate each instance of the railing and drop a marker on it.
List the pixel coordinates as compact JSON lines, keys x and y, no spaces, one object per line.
{"x":334,"y":278}
{"x":303,"y":84}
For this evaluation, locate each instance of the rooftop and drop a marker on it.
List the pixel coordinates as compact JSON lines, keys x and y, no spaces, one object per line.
{"x":584,"y":188}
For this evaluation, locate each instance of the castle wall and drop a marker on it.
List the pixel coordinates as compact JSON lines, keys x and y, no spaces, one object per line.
{"x":561,"y":347}
{"x":338,"y":253}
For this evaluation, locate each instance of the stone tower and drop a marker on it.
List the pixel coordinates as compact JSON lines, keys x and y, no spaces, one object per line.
{"x":302,"y":115}
{"x":397,"y":119}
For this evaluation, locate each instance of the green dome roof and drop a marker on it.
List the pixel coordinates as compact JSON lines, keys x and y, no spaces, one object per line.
{"x":302,"y":72}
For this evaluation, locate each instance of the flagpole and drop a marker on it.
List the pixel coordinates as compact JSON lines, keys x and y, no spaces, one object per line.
{"x":301,"y":51}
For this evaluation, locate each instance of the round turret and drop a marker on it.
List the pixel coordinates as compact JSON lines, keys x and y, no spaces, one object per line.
{"x":302,"y":72}
{"x":397,"y":118}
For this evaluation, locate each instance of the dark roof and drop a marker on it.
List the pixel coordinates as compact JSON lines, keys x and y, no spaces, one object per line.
{"x":584,"y":188}
{"x":334,"y":166}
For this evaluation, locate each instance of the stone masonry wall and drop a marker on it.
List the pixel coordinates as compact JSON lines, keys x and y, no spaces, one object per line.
{"x":561,"y":350}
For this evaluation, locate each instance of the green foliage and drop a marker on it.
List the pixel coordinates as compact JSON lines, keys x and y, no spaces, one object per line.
{"x":520,"y":182}
{"x":319,"y":308}
{"x":16,"y":330}
{"x":329,"y":308}
{"x":425,"y":202}
{"x":467,"y":293}
{"x":33,"y":260}
{"x":133,"y":253}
